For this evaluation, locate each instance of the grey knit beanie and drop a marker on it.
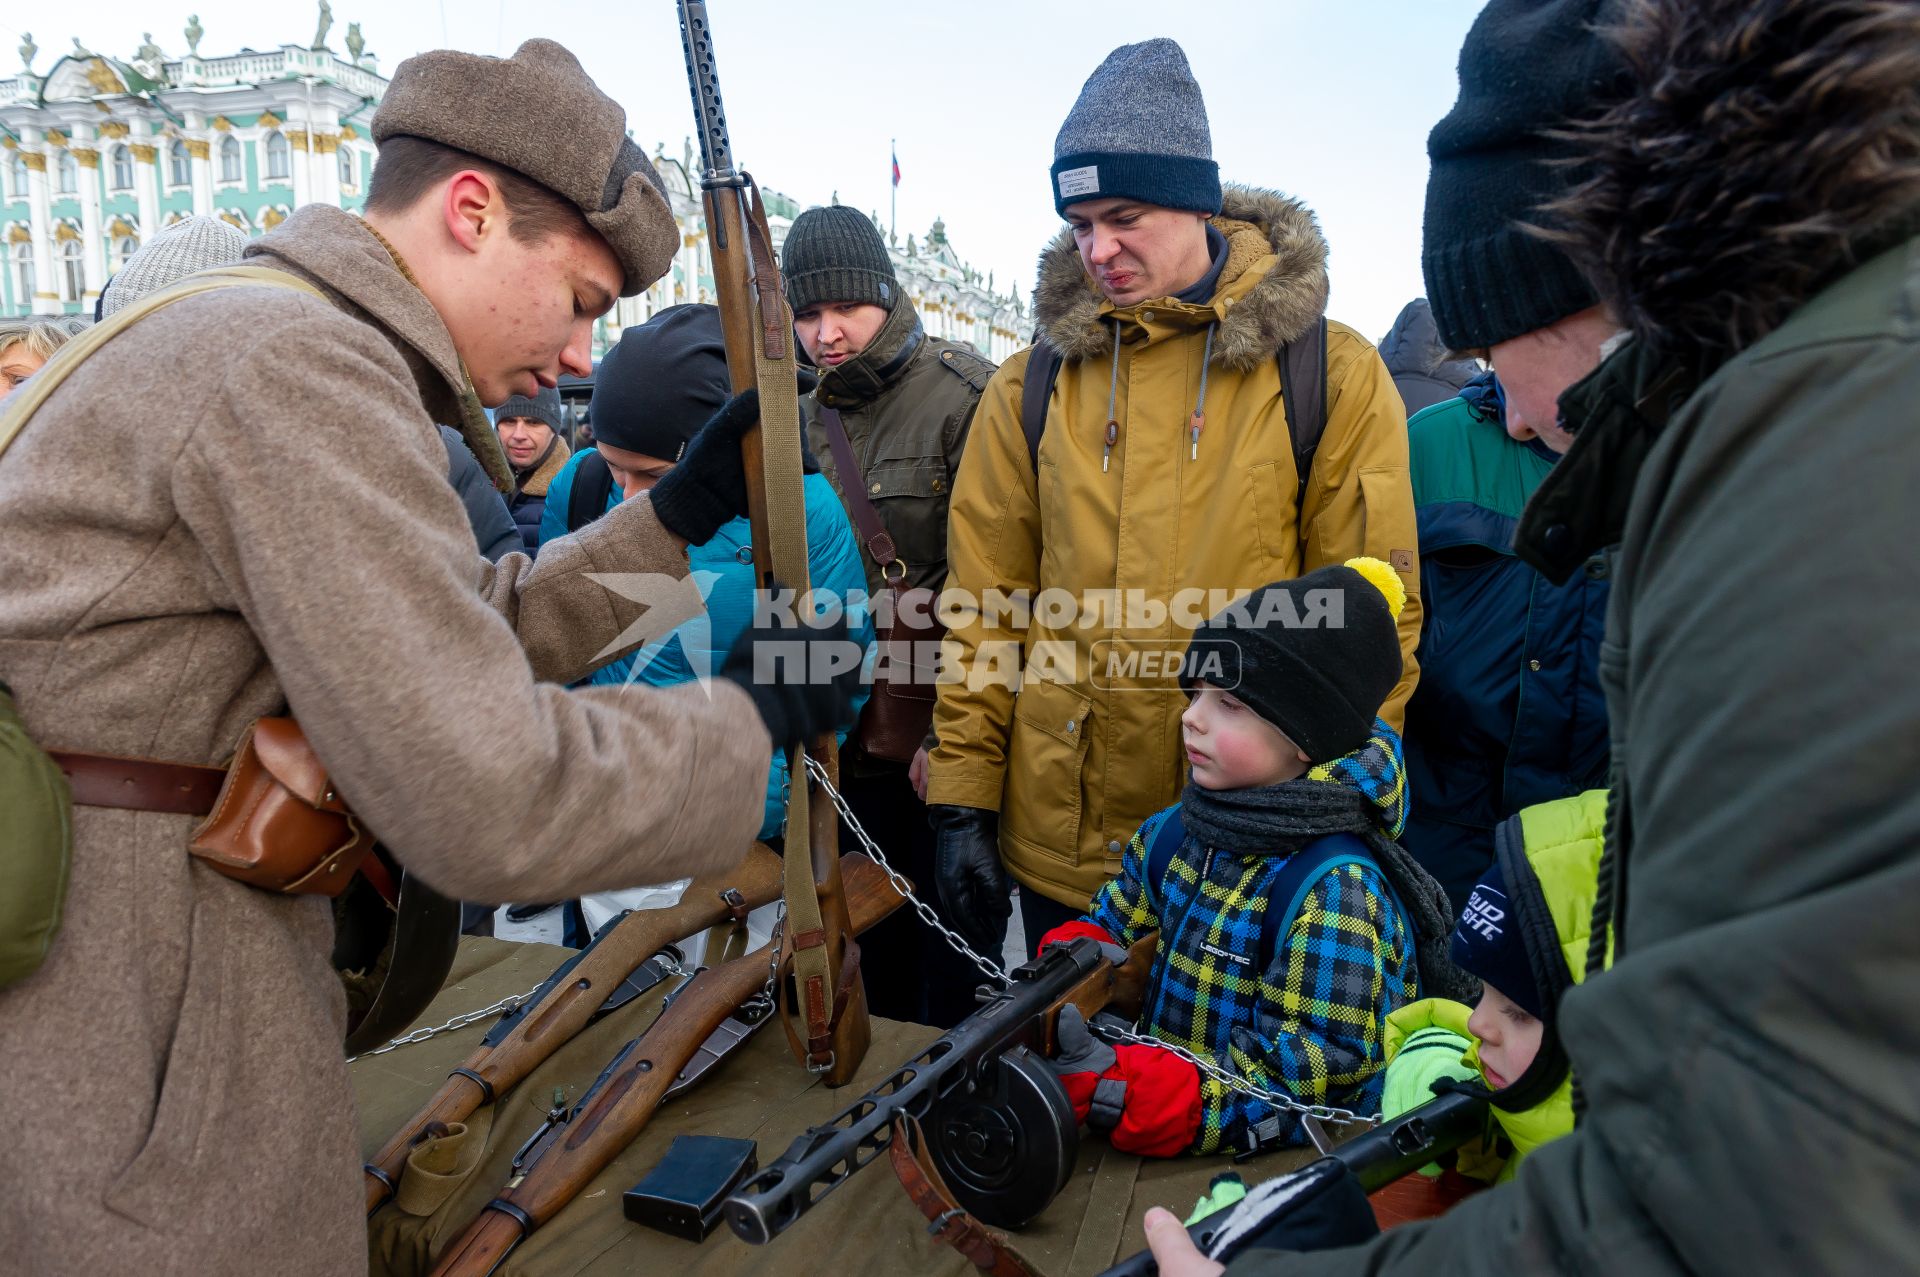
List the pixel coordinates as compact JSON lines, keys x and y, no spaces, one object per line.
{"x":1139,"y":131}
{"x":835,"y":255}
{"x":193,"y":244}
{"x":543,"y":407}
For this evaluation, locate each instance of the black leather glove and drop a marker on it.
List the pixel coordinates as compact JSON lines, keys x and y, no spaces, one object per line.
{"x":798,"y":699}
{"x":974,"y":891}
{"x":707,"y":487}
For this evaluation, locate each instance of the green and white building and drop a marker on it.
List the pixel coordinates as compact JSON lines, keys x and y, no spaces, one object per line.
{"x":100,"y":151}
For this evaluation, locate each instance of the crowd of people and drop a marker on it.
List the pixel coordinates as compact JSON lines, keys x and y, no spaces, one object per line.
{"x":1541,"y":732}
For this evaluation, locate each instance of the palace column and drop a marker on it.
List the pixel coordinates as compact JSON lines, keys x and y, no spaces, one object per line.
{"x":93,"y":241}
{"x":326,"y":154}
{"x":146,"y":177}
{"x":199,"y":162}
{"x":298,"y":157}
{"x":46,"y":285}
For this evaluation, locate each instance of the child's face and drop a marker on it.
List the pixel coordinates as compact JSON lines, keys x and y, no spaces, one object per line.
{"x":1509,"y":1037}
{"x":1231,"y":747}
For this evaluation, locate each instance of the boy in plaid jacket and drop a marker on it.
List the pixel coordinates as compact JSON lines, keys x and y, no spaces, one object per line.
{"x":1290,"y":923}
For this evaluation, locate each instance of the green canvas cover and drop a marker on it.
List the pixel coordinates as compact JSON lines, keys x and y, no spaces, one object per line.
{"x":36,"y":847}
{"x":865,"y":1227}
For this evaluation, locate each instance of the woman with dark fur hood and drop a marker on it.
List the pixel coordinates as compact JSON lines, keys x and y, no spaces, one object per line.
{"x":1751,"y":212}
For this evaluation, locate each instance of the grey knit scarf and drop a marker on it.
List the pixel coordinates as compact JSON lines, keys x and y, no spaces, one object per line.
{"x":1278,"y":820}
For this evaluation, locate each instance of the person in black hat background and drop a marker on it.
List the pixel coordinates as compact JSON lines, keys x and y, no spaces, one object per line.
{"x":905,"y":402}
{"x":1509,"y":711}
{"x":529,"y":430}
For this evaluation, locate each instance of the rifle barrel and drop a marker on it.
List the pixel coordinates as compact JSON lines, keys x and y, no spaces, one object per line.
{"x":1388,"y":1152}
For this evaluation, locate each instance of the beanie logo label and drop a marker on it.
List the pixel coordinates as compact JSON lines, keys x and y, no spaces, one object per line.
{"x":1075,"y":182}
{"x":1483,"y":915}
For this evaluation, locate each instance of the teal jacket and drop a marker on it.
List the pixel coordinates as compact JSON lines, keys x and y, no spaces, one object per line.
{"x":723,"y":568}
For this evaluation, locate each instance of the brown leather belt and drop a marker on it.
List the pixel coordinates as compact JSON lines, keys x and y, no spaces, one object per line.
{"x":140,"y":784}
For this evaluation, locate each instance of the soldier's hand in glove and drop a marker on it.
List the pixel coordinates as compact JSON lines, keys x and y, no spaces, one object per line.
{"x":707,"y":487}
{"x":974,"y":891}
{"x":804,"y":678}
{"x":1145,"y":1099}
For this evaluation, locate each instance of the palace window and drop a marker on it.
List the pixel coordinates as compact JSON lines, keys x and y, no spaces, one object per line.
{"x":347,"y":182}
{"x":23,"y":277}
{"x":123,"y":247}
{"x":279,"y":157}
{"x":69,"y":173}
{"x":179,"y":171}
{"x":230,"y":170}
{"x":122,"y":169}
{"x":73,"y":276}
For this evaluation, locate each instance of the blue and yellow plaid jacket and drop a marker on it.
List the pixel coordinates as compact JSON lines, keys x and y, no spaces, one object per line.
{"x":1312,"y":1023}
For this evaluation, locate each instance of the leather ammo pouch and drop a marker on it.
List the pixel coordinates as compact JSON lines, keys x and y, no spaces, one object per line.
{"x":894,"y":724}
{"x":278,"y":824}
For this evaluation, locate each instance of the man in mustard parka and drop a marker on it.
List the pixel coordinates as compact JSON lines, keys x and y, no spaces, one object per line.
{"x":1164,"y":483}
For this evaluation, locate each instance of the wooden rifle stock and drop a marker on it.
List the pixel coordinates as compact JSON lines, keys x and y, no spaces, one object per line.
{"x":563,"y":1007}
{"x":1122,"y":988}
{"x":757,"y":326}
{"x":618,"y":1108}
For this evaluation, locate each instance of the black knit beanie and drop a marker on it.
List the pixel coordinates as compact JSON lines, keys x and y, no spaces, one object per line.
{"x":661,"y":382}
{"x":544,"y":406}
{"x":1527,"y":67}
{"x":1315,"y":656}
{"x":835,"y":254}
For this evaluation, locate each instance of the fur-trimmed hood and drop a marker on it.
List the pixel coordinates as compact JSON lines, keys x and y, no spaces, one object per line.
{"x":1764,"y":148}
{"x":1266,"y":232}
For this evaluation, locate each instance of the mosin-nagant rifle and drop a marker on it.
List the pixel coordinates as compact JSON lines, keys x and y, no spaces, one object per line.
{"x":995,"y":1120}
{"x":757,"y":324}
{"x":616,"y":968}
{"x":693,"y":1031}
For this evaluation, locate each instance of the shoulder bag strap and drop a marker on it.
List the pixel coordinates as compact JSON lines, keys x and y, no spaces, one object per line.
{"x":40,"y":387}
{"x":873,"y":533}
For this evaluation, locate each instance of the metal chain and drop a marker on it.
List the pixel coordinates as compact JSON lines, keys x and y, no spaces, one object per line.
{"x":1106,"y":1030}
{"x":900,"y":881}
{"x":460,"y":1021}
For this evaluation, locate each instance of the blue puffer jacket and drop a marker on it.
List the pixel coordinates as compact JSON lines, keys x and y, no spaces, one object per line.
{"x":1509,"y":711}
{"x":723,"y":569}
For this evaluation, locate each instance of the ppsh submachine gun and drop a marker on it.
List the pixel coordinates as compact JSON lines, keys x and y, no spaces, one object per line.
{"x":993,"y":1117}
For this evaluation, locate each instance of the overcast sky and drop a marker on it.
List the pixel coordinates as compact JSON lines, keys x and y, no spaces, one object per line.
{"x":1327,"y":101}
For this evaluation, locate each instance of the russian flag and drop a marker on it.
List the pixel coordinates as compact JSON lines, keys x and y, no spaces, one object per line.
{"x":896,"y":166}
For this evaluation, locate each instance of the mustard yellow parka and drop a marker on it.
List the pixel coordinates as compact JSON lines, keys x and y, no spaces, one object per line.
{"x":1161,"y":528}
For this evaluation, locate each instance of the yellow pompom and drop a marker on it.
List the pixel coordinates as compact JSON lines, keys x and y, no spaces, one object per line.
{"x":1384,"y":579}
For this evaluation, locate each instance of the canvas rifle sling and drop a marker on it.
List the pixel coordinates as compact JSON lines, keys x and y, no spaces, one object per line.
{"x":781,"y":451}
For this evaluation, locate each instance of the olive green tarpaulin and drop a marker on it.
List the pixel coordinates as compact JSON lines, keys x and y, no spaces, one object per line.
{"x":866,"y":1227}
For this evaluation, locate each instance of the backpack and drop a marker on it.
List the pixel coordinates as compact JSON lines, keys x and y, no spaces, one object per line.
{"x":1303,"y":391}
{"x":1166,"y":831}
{"x":36,"y":802}
{"x":592,"y":485}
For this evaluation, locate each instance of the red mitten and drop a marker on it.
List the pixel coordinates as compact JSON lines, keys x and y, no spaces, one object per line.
{"x":1162,"y":1110}
{"x":1073,"y":931}
{"x":1082,"y":1061}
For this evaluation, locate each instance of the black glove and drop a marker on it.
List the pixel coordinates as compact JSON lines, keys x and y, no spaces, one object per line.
{"x":974,"y":891}
{"x":798,"y":699}
{"x":707,"y":487}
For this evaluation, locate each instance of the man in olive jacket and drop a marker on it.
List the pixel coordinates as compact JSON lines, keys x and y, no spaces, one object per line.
{"x":1165,"y":483}
{"x":905,"y":400}
{"x":1748,"y":1061}
{"x":272,"y":530}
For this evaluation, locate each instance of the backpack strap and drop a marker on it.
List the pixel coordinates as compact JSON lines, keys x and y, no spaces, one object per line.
{"x":1043,"y":369}
{"x":39,"y":388}
{"x":1163,"y":836}
{"x":1303,"y":393}
{"x":1301,"y":874}
{"x":592,"y":486}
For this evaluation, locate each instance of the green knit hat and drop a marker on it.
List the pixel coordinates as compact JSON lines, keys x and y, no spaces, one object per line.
{"x":835,"y":255}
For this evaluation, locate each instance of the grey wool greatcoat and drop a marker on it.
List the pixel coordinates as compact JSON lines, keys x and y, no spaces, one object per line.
{"x":238,"y":506}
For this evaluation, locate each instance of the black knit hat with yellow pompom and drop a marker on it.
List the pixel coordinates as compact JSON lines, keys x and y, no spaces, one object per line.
{"x":1315,"y":656}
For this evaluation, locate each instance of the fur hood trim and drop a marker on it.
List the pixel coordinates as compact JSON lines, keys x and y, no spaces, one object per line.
{"x":545,"y":470}
{"x":1265,"y":231}
{"x":1764,"y":148}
